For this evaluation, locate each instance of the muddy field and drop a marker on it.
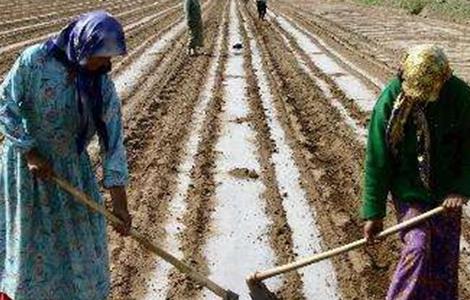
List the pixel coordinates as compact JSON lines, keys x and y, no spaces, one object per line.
{"x":245,"y":158}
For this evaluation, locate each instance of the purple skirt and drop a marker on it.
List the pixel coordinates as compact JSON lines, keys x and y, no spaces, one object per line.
{"x":428,"y":266}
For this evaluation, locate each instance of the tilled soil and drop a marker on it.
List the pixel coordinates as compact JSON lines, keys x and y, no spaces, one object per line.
{"x":129,"y":17}
{"x":155,"y":137}
{"x":280,"y":232}
{"x":385,"y":31}
{"x":349,"y":41}
{"x":328,"y":156}
{"x":23,"y":32}
{"x":319,"y":123}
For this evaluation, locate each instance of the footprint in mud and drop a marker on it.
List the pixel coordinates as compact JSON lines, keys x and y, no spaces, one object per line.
{"x":244,"y":173}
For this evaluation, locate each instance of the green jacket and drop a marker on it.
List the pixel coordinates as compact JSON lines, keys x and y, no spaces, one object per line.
{"x":449,"y":122}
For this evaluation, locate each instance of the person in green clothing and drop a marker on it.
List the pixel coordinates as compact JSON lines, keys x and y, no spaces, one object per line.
{"x":192,"y":9}
{"x":418,"y":151}
{"x":262,"y":6}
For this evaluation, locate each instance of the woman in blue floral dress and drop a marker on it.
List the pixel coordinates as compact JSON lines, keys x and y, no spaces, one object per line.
{"x":54,"y":100}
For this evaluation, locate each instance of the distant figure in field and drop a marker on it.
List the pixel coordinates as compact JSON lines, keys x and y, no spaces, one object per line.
{"x":194,"y":19}
{"x":262,"y":7}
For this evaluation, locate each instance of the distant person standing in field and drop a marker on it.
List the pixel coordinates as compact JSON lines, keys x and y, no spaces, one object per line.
{"x":262,"y":6}
{"x":195,"y":27}
{"x":419,"y":151}
{"x":57,"y":96}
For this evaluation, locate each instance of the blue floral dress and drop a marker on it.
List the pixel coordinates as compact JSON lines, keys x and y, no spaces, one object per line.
{"x":51,"y":247}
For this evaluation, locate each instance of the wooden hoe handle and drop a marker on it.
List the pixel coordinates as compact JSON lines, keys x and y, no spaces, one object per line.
{"x":181,"y":266}
{"x":258,"y":276}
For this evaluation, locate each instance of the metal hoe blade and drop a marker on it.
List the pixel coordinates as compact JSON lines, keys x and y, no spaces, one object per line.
{"x":231,"y":296}
{"x":259,"y":291}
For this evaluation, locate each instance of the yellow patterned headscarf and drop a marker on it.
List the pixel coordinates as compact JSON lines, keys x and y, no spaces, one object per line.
{"x":425,"y":69}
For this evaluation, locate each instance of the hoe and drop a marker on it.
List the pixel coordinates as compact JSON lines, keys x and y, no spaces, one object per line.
{"x":181,"y":266}
{"x":259,"y":291}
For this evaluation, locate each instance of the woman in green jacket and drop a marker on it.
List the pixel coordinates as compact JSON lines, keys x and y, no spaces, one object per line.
{"x":419,"y":151}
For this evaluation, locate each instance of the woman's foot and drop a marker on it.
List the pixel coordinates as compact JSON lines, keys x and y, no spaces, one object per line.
{"x":196,"y":51}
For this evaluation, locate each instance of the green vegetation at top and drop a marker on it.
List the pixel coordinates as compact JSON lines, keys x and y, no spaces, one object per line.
{"x":456,"y":10}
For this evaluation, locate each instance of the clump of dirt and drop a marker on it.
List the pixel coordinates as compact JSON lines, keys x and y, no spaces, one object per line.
{"x":244,"y":173}
{"x":242,"y":120}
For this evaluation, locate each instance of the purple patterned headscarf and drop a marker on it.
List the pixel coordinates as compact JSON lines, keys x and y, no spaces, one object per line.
{"x":95,"y":34}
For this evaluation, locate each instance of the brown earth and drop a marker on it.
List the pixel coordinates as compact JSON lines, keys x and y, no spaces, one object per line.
{"x":158,"y":113}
